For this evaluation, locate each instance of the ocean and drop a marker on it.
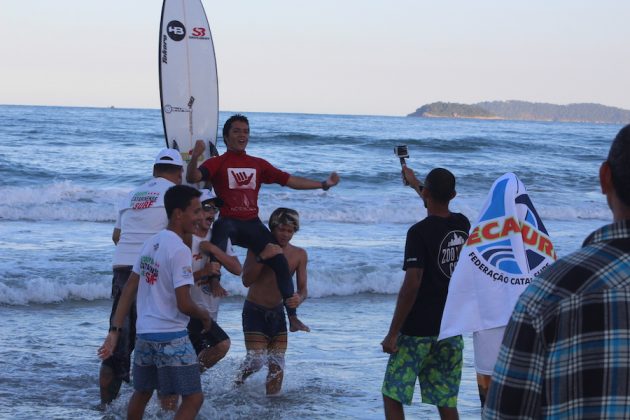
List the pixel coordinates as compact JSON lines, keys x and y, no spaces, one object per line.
{"x":62,"y":171}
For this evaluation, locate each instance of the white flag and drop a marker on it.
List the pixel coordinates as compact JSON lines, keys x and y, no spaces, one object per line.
{"x":507,"y":247}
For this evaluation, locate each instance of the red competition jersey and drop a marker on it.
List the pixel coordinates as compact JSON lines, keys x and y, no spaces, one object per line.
{"x":236,"y":178}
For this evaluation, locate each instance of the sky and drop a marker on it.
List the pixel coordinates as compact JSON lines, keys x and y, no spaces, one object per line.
{"x":360,"y":57}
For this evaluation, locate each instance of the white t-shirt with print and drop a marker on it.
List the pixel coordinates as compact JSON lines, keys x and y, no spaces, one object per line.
{"x":141,"y":214}
{"x":201,"y":295}
{"x":164,"y":264}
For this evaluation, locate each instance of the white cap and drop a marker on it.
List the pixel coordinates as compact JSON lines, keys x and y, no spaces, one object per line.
{"x":169,"y":157}
{"x":207,"y":195}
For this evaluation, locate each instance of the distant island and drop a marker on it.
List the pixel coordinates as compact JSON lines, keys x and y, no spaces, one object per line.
{"x":521,"y":110}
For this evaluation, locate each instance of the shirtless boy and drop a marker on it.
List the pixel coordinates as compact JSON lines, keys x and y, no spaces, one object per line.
{"x":264,"y":325}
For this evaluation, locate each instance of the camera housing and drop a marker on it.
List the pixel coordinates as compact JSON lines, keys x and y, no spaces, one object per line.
{"x":401,"y":151}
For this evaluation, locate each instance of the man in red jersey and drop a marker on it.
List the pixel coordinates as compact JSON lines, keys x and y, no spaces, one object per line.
{"x":237,"y":178}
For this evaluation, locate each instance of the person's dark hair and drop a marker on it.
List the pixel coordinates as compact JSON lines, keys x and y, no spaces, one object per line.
{"x":284,"y":216}
{"x":179,"y":197}
{"x":232,"y":119}
{"x":619,"y":162}
{"x":441,"y":184}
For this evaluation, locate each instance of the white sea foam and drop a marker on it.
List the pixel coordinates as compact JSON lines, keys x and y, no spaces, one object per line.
{"x":67,"y":200}
{"x":321,"y":283}
{"x":63,"y":200}
{"x":43,"y":290}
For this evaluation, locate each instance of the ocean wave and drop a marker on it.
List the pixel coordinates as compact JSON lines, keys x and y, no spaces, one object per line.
{"x":44,"y":290}
{"x":321,"y":283}
{"x":68,"y":201}
{"x":64,"y":200}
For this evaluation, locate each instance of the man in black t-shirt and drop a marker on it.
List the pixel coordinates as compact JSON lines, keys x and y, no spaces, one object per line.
{"x":431,"y":252}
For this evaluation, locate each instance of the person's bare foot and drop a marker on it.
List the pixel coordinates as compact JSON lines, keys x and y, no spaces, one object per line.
{"x":296,"y":325}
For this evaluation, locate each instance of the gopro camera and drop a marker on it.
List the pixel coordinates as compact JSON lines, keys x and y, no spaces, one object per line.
{"x":402,"y":153}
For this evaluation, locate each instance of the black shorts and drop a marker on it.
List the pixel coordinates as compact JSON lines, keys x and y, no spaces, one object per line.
{"x":120,"y":361}
{"x":209,"y":339}
{"x":260,"y":320}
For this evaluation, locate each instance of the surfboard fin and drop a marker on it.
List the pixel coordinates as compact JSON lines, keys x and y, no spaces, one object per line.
{"x":213,"y":149}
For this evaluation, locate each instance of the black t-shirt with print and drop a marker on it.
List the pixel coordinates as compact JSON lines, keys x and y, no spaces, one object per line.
{"x":433,"y":244}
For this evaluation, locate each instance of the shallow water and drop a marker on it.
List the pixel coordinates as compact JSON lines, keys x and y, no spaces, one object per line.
{"x":50,"y":368}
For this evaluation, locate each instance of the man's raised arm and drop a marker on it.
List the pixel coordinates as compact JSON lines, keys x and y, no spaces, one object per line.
{"x":300,"y":183}
{"x":193,"y":174}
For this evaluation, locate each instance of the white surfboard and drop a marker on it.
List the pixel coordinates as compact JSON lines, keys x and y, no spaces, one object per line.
{"x":188,"y":78}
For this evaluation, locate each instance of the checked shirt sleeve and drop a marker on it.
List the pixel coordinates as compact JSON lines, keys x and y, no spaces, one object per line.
{"x":517,"y":383}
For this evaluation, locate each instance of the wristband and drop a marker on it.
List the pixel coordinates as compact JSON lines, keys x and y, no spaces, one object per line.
{"x":259,"y":259}
{"x":325,"y":186}
{"x":115,"y":329}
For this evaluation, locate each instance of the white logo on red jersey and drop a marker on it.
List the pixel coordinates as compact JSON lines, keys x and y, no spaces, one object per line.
{"x":242,"y":178}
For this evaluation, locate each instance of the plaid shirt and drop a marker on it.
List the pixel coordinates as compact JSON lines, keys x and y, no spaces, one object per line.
{"x":566,"y":349}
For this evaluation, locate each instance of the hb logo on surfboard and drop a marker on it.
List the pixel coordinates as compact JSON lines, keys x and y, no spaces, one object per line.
{"x":176,"y":30}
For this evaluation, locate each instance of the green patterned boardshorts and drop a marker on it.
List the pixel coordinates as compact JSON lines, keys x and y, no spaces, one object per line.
{"x":436,"y":364}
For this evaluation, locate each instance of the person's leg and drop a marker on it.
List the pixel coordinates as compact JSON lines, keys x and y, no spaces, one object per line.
{"x":255,"y":341}
{"x":448,"y":413}
{"x":258,"y":236}
{"x":483,"y":384}
{"x":486,"y":345}
{"x":115,"y":369}
{"x":178,"y":374}
{"x":280,"y":267}
{"x":440,"y":375}
{"x":393,"y":409}
{"x":211,"y":355}
{"x":145,"y":378}
{"x":277,"y":329}
{"x":169,"y":402}
{"x":223,"y":229}
{"x":210,"y":346}
{"x":275,"y":375}
{"x":253,"y":362}
{"x":190,"y":406}
{"x":401,"y":374}
{"x":137,"y":404}
{"x":109,"y":384}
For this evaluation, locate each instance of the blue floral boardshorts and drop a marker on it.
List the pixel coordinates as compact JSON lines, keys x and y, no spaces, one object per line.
{"x":436,"y":364}
{"x":166,"y":362}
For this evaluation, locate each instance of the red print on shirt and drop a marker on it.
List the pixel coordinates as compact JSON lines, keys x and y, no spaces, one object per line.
{"x":151,"y":277}
{"x":242,"y":178}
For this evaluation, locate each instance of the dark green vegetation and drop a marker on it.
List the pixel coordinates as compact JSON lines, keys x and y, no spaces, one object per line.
{"x":521,"y":110}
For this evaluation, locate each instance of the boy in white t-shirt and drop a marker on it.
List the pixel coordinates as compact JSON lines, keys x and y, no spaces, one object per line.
{"x":161,"y":280}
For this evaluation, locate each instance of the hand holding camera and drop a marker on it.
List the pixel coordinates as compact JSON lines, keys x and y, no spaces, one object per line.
{"x":408,"y":176}
{"x":402,"y":153}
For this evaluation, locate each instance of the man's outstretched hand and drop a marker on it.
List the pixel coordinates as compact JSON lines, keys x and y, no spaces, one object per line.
{"x":333,"y":179}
